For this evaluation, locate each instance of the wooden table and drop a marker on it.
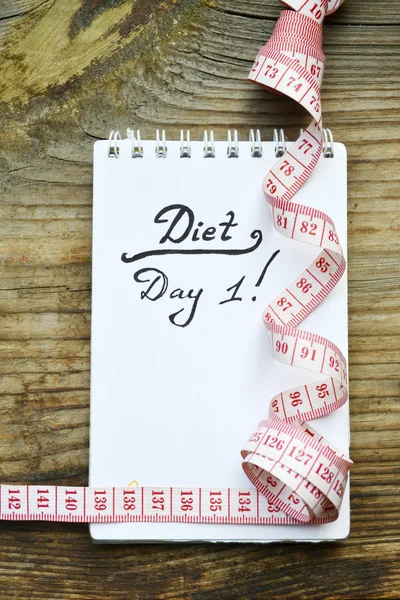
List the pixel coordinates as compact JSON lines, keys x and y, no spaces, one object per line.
{"x":70,"y":72}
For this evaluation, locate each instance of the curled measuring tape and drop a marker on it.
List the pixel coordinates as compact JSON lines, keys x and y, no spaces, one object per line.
{"x":296,"y":469}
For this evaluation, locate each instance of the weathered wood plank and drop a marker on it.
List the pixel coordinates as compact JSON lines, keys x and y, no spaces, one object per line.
{"x":69,"y":73}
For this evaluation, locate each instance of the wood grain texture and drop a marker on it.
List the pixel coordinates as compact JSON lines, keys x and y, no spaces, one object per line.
{"x":72,"y":70}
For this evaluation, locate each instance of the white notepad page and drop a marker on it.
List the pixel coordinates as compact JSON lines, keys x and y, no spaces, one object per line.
{"x":173,"y":405}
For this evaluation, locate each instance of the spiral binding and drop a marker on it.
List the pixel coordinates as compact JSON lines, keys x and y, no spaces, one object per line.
{"x":161,"y":144}
{"x":113,"y":144}
{"x":185,"y":149}
{"x":256,"y":147}
{"x":233,"y":147}
{"x":136,"y":143}
{"x":232,"y":150}
{"x":209,"y":146}
{"x":327,"y":144}
{"x":280,"y":143}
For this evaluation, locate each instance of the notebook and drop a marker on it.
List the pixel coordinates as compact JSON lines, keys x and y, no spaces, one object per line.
{"x":182,"y":369}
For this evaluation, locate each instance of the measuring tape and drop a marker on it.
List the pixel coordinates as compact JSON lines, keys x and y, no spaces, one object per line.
{"x":287,"y":461}
{"x":298,"y":476}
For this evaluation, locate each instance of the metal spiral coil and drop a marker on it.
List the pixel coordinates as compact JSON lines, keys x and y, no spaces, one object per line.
{"x":327,"y":145}
{"x":255,"y":141}
{"x":232,"y":150}
{"x":136,"y":143}
{"x":113,"y":144}
{"x":280,"y":143}
{"x":161,"y":144}
{"x":185,"y":150}
{"x":209,"y":146}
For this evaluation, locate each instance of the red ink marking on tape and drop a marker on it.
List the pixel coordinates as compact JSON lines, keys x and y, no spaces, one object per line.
{"x":299,"y":477}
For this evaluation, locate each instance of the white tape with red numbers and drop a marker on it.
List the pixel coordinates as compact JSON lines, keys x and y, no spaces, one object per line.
{"x":298,"y":476}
